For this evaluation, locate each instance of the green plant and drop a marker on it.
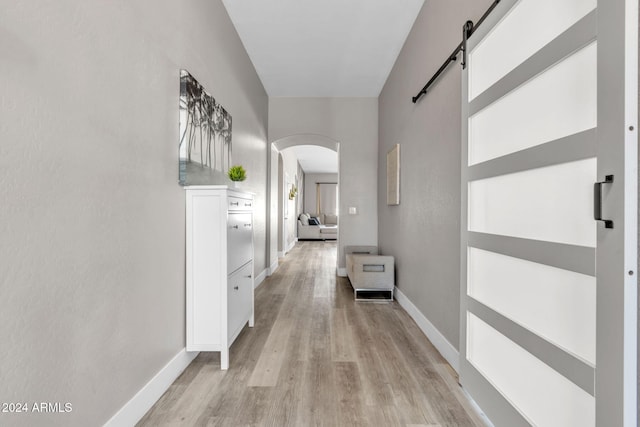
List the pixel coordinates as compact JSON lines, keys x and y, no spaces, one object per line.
{"x":237,"y":173}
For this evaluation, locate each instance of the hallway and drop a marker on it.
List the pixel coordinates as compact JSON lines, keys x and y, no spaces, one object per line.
{"x":315,"y":357}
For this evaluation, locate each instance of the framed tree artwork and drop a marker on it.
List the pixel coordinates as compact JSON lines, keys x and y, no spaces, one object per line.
{"x":205,"y":135}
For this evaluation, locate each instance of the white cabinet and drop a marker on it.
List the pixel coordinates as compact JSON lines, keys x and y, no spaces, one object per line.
{"x":219,"y":267}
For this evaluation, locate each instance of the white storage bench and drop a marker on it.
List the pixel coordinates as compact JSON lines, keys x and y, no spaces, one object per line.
{"x":370,"y":274}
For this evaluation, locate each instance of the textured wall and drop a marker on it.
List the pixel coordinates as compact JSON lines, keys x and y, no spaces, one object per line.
{"x":423,"y":232}
{"x":353,"y":122}
{"x":92,"y":217}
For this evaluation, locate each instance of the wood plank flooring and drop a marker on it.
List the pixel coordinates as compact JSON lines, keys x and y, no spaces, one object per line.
{"x":317,"y":358}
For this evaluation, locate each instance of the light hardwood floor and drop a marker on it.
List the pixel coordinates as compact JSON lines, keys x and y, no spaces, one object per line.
{"x":317,"y":358}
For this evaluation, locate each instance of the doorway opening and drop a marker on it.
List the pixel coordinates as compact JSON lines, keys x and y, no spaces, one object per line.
{"x":308,"y":182}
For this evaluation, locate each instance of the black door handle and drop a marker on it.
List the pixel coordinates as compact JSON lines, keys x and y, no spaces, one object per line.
{"x":597,"y":201}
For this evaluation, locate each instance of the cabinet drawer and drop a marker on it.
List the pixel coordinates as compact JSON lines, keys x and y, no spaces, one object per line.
{"x":239,"y":240}
{"x":239,"y":204}
{"x":240,"y":287}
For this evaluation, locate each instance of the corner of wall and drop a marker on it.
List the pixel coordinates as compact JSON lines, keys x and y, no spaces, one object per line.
{"x":446,"y":349}
{"x":148,"y":395}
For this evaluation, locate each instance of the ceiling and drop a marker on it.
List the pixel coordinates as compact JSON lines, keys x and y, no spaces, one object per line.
{"x":315,"y":159}
{"x":323,"y":48}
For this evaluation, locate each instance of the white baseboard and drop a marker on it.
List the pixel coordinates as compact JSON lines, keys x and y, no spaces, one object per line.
{"x":273,"y":267}
{"x":280,"y":254}
{"x":260,"y":278}
{"x":342,"y":272}
{"x":445,"y":348}
{"x":144,"y":399}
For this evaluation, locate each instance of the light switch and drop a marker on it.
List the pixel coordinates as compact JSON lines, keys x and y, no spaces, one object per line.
{"x":353,"y":211}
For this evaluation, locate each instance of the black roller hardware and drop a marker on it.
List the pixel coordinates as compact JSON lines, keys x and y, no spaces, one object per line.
{"x":467,"y":30}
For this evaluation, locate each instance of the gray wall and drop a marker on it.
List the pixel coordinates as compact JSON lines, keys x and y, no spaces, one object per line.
{"x":353,"y":122}
{"x":310,"y":190}
{"x":423,"y":232}
{"x":92,"y":217}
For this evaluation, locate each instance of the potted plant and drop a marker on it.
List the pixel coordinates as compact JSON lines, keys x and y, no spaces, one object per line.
{"x":237,"y":173}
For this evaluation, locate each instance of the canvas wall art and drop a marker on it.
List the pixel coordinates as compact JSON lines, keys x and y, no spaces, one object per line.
{"x":205,"y":135}
{"x":393,"y":176}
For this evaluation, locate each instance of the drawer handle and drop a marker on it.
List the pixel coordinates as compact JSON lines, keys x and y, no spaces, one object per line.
{"x":248,"y":277}
{"x":247,"y":204}
{"x":234,"y":226}
{"x":247,"y":225}
{"x":234,"y":203}
{"x":235,"y":287}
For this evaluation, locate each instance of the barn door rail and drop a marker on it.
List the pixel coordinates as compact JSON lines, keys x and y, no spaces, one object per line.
{"x":467,"y":30}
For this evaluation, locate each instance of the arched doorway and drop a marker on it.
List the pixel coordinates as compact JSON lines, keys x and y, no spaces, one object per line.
{"x":282,"y":182}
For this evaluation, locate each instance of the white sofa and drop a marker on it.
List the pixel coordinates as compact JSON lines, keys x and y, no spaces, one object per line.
{"x":369,"y":273}
{"x":327,"y":229}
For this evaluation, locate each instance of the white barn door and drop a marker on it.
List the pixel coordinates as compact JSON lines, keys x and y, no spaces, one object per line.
{"x":549,"y":293}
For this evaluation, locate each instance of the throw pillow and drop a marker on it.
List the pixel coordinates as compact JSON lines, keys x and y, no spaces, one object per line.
{"x":304,"y":219}
{"x":314,"y":221}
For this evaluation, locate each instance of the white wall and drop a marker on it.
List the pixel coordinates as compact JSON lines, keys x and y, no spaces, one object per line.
{"x":92,"y":217}
{"x":310,"y":189}
{"x":423,"y":232}
{"x":353,"y":122}
{"x":290,"y":164}
{"x":281,"y":183}
{"x":272,"y":230}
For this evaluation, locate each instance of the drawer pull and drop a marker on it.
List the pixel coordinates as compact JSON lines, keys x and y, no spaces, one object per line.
{"x":234,"y":203}
{"x":234,"y":226}
{"x":235,"y":287}
{"x":248,"y":277}
{"x":247,"y":225}
{"x":248,"y":204}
